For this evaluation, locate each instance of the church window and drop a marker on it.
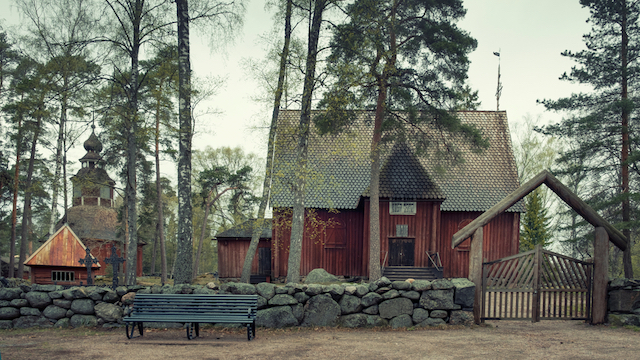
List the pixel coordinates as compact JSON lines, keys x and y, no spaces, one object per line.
{"x":63,"y":276}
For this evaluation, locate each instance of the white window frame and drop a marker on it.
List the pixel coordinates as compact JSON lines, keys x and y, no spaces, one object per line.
{"x":63,"y":276}
{"x":408,"y":208}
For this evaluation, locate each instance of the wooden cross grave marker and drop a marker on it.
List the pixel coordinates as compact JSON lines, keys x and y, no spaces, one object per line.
{"x":88,"y":261}
{"x":115,"y":262}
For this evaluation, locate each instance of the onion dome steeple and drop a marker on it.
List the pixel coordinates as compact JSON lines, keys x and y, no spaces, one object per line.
{"x":93,"y":147}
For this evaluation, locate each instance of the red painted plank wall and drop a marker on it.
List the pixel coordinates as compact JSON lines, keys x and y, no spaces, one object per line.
{"x":501,"y":238}
{"x":317,"y":252}
{"x":423,"y":227}
{"x":231,"y":254}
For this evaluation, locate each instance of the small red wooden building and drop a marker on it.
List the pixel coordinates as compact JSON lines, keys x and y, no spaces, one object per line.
{"x":423,"y":200}
{"x":232,"y":249}
{"x":57,"y":260}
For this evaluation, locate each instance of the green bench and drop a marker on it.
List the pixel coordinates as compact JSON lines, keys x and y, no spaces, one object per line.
{"x":193,"y":309}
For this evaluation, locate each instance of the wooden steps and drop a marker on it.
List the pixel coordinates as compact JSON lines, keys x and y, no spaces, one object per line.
{"x":394,"y":273}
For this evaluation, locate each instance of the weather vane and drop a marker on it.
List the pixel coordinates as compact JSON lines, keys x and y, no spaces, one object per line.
{"x":499,"y":89}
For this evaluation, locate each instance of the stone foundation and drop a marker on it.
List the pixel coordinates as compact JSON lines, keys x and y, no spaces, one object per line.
{"x":381,"y":303}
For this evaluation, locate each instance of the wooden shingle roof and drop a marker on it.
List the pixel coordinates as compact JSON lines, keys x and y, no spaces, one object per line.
{"x":245,"y":230}
{"x":63,"y":248}
{"x":339,"y":166}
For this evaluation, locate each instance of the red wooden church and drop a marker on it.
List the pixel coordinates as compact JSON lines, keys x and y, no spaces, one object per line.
{"x":423,"y":201}
{"x":57,"y":260}
{"x":92,"y":216}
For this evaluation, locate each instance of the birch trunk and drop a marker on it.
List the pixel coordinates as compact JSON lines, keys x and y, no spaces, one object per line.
{"x":184,"y":255}
{"x":266,"y":186}
{"x":297,"y":222}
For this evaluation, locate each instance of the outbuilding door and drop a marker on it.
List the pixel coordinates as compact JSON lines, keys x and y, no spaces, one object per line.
{"x":401,"y":252}
{"x":264,"y":261}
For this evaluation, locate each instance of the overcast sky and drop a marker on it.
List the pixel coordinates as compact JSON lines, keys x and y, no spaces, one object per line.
{"x":529,"y":35}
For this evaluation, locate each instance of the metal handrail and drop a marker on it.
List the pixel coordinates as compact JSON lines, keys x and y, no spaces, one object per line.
{"x":437,"y":256}
{"x":383,"y":262}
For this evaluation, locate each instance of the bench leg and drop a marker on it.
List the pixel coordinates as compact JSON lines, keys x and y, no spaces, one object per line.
{"x":251,"y":331}
{"x":133,"y":328}
{"x":191,"y":329}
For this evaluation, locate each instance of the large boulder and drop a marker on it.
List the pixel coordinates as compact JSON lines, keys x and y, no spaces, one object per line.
{"x":401,"y":285}
{"x":624,"y":319}
{"x":266,"y":290}
{"x":38,"y":299}
{"x":350,"y":304}
{"x":354,"y":320}
{"x":431,"y":322}
{"x":461,"y":318}
{"x":395,"y":307}
{"x":441,"y":284}
{"x":108,"y":312}
{"x":63,"y":303}
{"x":46,"y":288}
{"x":401,"y":321}
{"x":82,"y":306}
{"x":110,"y":296}
{"x":242,"y":289}
{"x":276,"y":317}
{"x":282,"y":299}
{"x":420,"y":315}
{"x":79,"y":320}
{"x":318,"y":276}
{"x":438,"y":300}
{"x":10,"y":293}
{"x":465,"y":292}
{"x":31,"y":321}
{"x":75,"y":293}
{"x":336,"y":291}
{"x":375,"y":320}
{"x":321,"y":310}
{"x":421,"y":285}
{"x":28,"y":311}
{"x":624,"y":300}
{"x":313,"y":290}
{"x":54,"y":312}
{"x":371,"y":299}
{"x":9,"y":313}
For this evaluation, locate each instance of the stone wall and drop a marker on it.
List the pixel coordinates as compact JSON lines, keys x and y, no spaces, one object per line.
{"x":381,"y":303}
{"x":624,"y":302}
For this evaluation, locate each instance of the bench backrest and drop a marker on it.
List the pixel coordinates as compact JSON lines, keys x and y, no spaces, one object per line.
{"x":209,"y":304}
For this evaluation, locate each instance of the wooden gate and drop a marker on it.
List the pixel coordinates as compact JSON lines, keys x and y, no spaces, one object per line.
{"x":536,"y":285}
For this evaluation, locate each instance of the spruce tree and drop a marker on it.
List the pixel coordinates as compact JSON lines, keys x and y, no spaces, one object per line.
{"x":535,"y":224}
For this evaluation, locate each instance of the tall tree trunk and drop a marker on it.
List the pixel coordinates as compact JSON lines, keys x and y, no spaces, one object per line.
{"x":26,"y":212}
{"x":297,"y":221}
{"x":14,"y":212}
{"x":184,"y":254}
{"x":59,"y":150}
{"x":160,"y":225}
{"x":196,"y":263}
{"x":266,"y":186}
{"x":624,"y":158}
{"x":374,"y":187}
{"x":132,"y":150}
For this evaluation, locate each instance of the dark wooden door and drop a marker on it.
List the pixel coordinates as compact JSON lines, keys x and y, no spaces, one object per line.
{"x":264,"y":261}
{"x":401,"y":251}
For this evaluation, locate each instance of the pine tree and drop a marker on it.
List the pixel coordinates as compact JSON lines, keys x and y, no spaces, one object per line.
{"x":601,"y":120}
{"x":405,"y":59}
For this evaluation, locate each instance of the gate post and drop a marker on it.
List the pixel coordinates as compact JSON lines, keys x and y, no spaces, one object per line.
{"x":475,"y":272}
{"x":535,"y":303}
{"x":600,"y":276}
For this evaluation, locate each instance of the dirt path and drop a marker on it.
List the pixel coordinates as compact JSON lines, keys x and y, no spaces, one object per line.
{"x":502,"y":340}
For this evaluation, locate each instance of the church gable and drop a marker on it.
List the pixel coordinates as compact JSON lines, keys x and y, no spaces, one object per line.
{"x":63,"y":248}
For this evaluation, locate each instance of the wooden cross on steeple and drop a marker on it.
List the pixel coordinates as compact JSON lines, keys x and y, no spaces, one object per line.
{"x":88,"y":261}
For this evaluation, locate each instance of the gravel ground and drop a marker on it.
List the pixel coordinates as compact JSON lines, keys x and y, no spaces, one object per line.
{"x":496,"y":340}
